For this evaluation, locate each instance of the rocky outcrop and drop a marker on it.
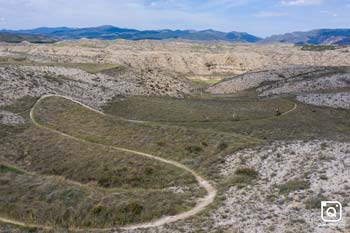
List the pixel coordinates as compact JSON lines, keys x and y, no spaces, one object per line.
{"x":91,"y":89}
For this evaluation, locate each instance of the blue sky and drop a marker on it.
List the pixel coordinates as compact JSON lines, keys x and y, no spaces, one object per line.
{"x":261,"y":18}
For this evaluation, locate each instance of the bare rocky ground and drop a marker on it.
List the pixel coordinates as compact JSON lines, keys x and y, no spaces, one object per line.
{"x":308,"y":84}
{"x":9,"y":118}
{"x":334,"y":100}
{"x":91,"y":89}
{"x":255,"y":79}
{"x":320,"y":167}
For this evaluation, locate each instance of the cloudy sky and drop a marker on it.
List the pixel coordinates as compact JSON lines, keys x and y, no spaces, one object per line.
{"x":262,"y":18}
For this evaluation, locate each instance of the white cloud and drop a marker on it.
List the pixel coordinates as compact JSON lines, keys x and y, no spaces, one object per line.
{"x":2,"y":20}
{"x":301,"y":2}
{"x":267,"y":14}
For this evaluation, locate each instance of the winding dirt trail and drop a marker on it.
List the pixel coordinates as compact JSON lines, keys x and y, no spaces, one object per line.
{"x":201,"y":203}
{"x":290,"y":111}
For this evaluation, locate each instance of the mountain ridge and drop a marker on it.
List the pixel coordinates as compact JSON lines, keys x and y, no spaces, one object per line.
{"x":109,"y":32}
{"x":315,"y":37}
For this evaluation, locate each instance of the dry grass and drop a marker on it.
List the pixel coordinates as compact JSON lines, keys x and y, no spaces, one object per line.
{"x":49,"y":201}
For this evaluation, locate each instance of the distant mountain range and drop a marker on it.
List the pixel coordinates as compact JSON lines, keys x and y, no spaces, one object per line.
{"x":45,"y":35}
{"x":111,"y":32}
{"x":321,"y":36}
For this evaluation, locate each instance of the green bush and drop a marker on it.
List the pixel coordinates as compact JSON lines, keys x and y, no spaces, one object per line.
{"x":222,"y":146}
{"x":133,"y":208}
{"x":318,"y":48}
{"x":293,"y":185}
{"x":194,"y":149}
{"x":246,"y":171}
{"x":314,"y":202}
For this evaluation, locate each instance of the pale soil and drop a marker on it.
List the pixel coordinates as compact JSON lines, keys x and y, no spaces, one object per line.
{"x":261,"y":208}
{"x":186,"y":58}
{"x":334,"y":100}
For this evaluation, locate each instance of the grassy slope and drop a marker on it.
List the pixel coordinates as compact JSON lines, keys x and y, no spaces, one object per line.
{"x":45,"y":200}
{"x":89,"y":163}
{"x":255,"y":118}
{"x":136,"y":187}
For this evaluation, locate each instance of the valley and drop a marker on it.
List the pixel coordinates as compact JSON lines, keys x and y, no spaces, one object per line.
{"x":172,"y":136}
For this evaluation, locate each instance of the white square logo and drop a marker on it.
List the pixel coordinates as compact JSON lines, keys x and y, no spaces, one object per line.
{"x":331,"y":211}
